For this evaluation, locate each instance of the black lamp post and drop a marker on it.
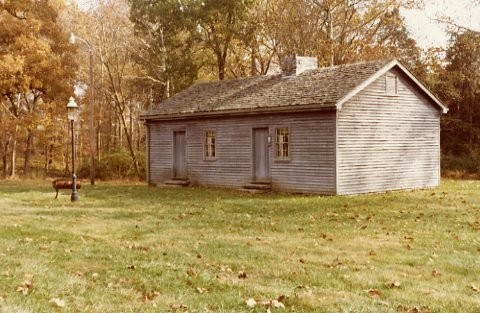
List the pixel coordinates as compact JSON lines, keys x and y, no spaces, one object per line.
{"x":72,"y":112}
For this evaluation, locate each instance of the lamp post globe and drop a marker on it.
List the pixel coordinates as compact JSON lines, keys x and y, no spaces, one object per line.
{"x":72,"y":113}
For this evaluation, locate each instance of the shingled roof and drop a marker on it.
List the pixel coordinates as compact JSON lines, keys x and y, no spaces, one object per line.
{"x":321,"y":88}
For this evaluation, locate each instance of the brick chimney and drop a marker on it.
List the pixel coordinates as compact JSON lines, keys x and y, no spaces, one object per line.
{"x":295,"y":65}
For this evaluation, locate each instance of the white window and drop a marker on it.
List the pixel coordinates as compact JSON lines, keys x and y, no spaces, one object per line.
{"x":210,"y":144}
{"x":282,"y":141}
{"x":391,"y":84}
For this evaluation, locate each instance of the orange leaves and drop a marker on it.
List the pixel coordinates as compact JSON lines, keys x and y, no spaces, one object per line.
{"x":374,"y":293}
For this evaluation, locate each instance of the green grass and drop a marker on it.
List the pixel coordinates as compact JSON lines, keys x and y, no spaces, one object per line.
{"x":132,"y":248}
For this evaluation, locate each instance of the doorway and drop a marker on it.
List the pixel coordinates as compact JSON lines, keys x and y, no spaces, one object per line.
{"x":261,"y":159}
{"x":179,"y":155}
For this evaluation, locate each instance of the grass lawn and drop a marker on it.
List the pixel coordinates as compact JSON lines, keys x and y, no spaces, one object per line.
{"x":132,"y":248}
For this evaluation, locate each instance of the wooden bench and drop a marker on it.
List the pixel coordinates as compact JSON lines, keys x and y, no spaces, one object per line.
{"x":63,"y":184}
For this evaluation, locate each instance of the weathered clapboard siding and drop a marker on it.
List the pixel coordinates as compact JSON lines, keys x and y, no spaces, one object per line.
{"x":388,"y":142}
{"x":311,"y":167}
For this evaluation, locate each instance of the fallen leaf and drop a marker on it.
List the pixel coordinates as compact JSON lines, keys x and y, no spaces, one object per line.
{"x":335,"y":263}
{"x":58,"y":302}
{"x":191,"y":272}
{"x":25,"y":287}
{"x":264,"y":302}
{"x":277,"y":304}
{"x":302,"y":260}
{"x":178,"y":306}
{"x":201,"y":290}
{"x":435,"y":273}
{"x":414,"y":309}
{"x":251,"y":302}
{"x":242,"y":275}
{"x":474,"y":288}
{"x":131,"y":267}
{"x":374,"y":293}
{"x":393,"y":284}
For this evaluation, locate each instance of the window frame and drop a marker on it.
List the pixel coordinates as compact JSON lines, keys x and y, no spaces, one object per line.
{"x":391,"y":78}
{"x":277,"y":144}
{"x":207,"y":157}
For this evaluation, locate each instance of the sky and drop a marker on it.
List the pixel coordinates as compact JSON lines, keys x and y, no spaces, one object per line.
{"x":429,"y":33}
{"x":420,"y":23}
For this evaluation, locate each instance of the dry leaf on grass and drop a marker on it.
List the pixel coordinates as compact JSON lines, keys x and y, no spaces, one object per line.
{"x":191,"y":272}
{"x":178,"y":306}
{"x":374,"y":293}
{"x":251,"y":302}
{"x":242,"y":275}
{"x":414,"y":309}
{"x":58,"y":302}
{"x":201,"y":290}
{"x":393,"y":284}
{"x":474,"y":287}
{"x":268,"y":303}
{"x":25,"y":287}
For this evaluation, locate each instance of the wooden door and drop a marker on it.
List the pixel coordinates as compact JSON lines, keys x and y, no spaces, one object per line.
{"x":179,"y":155}
{"x":261,"y":162}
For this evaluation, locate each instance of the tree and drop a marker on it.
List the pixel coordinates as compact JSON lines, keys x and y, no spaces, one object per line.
{"x":168,"y":33}
{"x":122,"y":81}
{"x":36,"y":68}
{"x":460,"y":88}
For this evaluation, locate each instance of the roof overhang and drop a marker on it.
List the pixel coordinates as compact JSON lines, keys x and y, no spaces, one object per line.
{"x":381,"y":72}
{"x":245,"y":112}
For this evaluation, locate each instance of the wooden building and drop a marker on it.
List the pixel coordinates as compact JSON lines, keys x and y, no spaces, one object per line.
{"x":349,"y":129}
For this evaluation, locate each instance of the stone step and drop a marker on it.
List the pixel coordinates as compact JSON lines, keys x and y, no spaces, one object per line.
{"x":258,"y":186}
{"x":177,"y":182}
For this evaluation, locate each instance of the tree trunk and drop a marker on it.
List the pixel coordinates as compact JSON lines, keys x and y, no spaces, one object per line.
{"x":221,"y":67}
{"x":28,"y":152}
{"x":130,"y":146}
{"x":13,"y":158}
{"x":5,"y":156}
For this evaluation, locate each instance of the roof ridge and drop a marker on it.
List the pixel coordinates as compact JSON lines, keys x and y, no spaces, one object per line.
{"x":345,"y":65}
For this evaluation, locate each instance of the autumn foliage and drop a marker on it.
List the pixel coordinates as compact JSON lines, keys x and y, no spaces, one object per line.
{"x":146,"y":51}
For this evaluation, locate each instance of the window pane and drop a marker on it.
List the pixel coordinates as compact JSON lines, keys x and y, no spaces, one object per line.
{"x":210,"y":144}
{"x":391,"y":84}
{"x":281,"y":142}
